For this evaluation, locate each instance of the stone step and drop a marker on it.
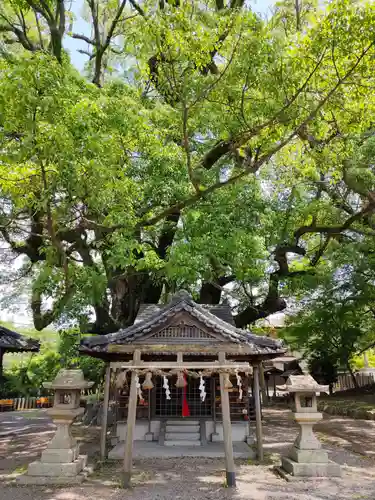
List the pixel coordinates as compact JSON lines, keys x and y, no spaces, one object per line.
{"x":185,"y":436}
{"x":181,"y":442}
{"x":182,"y":428}
{"x":182,"y":422}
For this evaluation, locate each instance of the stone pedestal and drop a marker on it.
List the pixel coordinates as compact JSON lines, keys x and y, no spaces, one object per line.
{"x":61,"y":462}
{"x":306,"y":458}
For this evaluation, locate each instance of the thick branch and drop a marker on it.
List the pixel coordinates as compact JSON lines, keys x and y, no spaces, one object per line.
{"x":33,"y":245}
{"x":114,"y":24}
{"x":335,"y":230}
{"x":224,"y":147}
{"x":137,"y":7}
{"x":56,"y":23}
{"x":20,"y":34}
{"x":253,"y":313}
{"x":42,"y":320}
{"x":273,"y":303}
{"x":100,"y":46}
{"x":167,"y":234}
{"x":209,"y":293}
{"x":84,"y":38}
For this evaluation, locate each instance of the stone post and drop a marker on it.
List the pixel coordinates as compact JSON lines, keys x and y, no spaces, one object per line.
{"x":61,"y":462}
{"x":306,"y":458}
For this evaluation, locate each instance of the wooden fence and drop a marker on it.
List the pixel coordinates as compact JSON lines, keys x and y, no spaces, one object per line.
{"x":345,"y":381}
{"x":29,"y":403}
{"x":19,"y":404}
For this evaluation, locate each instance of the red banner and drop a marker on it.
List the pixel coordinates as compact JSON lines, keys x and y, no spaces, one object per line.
{"x":185,"y":406}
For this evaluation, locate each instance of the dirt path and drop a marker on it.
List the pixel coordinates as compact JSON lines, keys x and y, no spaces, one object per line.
{"x":203,"y":479}
{"x":355,"y":435}
{"x":24,"y":435}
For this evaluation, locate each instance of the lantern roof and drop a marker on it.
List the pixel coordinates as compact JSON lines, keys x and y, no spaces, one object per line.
{"x":68,"y":379}
{"x":302,"y":383}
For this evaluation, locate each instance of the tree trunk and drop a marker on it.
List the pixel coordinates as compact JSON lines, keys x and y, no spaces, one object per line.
{"x":355,"y":383}
{"x":129,"y":293}
{"x":209,"y":294}
{"x":298,"y":14}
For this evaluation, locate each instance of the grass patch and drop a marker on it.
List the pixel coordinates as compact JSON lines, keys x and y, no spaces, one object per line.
{"x":348,"y":407}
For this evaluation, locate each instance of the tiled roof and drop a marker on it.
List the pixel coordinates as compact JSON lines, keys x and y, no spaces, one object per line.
{"x":222,"y":311}
{"x":15,"y":342}
{"x":155,"y":316}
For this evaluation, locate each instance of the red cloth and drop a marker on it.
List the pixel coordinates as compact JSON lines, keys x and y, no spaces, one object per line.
{"x":185,"y":406}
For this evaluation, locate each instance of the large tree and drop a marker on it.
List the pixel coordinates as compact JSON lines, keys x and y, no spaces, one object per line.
{"x":204,"y":148}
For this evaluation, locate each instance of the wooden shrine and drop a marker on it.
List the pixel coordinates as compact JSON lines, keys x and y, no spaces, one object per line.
{"x":179,"y":363}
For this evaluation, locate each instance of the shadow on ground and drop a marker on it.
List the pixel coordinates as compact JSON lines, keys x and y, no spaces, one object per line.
{"x":355,"y":435}
{"x":202,"y":478}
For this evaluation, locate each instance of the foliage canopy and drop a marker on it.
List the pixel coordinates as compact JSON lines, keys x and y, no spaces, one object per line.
{"x":26,"y":374}
{"x":203,"y":148}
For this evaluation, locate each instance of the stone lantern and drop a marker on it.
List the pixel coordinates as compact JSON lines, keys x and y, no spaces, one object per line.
{"x":60,"y":462}
{"x":306,"y":458}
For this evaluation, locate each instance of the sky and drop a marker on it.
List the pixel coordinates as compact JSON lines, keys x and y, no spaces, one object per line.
{"x":81,"y":27}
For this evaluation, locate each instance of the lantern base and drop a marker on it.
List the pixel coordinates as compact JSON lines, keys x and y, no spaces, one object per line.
{"x":59,"y":455}
{"x":54,"y":481}
{"x":56,"y":473}
{"x":305,"y":470}
{"x":308,"y":456}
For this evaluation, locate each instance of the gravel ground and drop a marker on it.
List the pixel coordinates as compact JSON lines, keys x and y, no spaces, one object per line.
{"x":193,"y":479}
{"x":355,"y":435}
{"x":189,"y":479}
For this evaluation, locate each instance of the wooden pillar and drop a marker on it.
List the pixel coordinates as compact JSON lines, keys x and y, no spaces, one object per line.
{"x":149,"y":399}
{"x":132,"y":410}
{"x":227,"y":430}
{"x":267,"y":379}
{"x":274,"y":386}
{"x":213,"y":398}
{"x":262,"y":384}
{"x":103,"y":435}
{"x":258,"y":414}
{"x":246,"y":400}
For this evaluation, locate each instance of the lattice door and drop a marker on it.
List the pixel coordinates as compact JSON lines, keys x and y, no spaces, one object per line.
{"x":173,"y":408}
{"x":161,"y":405}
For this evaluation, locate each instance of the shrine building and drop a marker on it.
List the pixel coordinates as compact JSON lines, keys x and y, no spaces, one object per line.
{"x":182,"y":375}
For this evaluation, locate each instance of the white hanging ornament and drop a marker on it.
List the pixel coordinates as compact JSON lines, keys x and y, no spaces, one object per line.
{"x":120,"y":380}
{"x":139,"y":390}
{"x":166,"y":387}
{"x":202,"y":389}
{"x":239,"y":385}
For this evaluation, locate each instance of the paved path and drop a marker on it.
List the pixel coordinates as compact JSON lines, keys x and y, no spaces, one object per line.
{"x":190,"y":478}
